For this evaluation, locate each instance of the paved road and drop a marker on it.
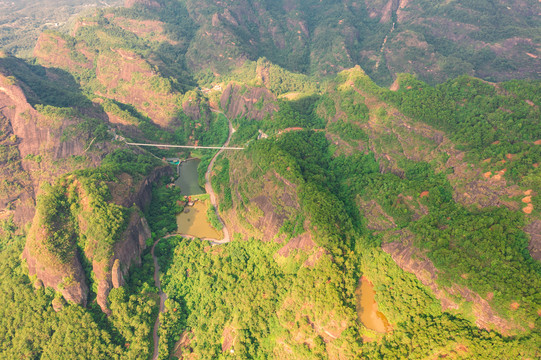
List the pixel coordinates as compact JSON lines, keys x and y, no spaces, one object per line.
{"x":208,"y":187}
{"x":163,"y":297}
{"x":226,"y":239}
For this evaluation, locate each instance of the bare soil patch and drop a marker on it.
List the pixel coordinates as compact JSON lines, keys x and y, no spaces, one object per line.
{"x":182,"y":346}
{"x":534,"y":230}
{"x":229,"y":335}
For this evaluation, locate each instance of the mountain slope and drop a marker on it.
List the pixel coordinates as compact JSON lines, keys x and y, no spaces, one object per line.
{"x":434,"y":41}
{"x":428,"y":195}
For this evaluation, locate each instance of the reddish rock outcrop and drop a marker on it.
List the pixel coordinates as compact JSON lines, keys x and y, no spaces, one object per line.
{"x":69,"y":278}
{"x":123,"y":75}
{"x":127,"y":252}
{"x":412,"y":260}
{"x":534,"y":230}
{"x":53,"y":49}
{"x":35,"y":134}
{"x":252,"y":103}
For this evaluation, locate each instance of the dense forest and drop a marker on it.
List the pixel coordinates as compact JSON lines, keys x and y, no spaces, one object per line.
{"x":396,"y":146}
{"x":32,"y":324}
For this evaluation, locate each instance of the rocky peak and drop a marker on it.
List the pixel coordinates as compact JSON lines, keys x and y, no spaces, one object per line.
{"x":66,"y":273}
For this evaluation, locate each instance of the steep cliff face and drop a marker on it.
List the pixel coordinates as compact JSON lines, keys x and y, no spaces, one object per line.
{"x":251,"y":102}
{"x":282,"y":32}
{"x":412,"y":260}
{"x":72,"y":235}
{"x":54,"y":50}
{"x":116,"y":72}
{"x":474,"y":184}
{"x":127,"y":253}
{"x":41,"y":139}
{"x":67,"y":278}
{"x":263,"y":206}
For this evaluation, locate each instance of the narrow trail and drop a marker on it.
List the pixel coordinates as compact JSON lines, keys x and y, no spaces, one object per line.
{"x":382,"y":49}
{"x":226,"y":239}
{"x":397,"y":5}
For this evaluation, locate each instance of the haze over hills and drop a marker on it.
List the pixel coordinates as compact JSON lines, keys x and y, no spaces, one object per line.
{"x":492,"y":40}
{"x":488,"y":39}
{"x":21,"y":21}
{"x":365,"y":222}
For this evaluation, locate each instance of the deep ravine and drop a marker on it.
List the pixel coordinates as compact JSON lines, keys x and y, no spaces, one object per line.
{"x":226,"y":239}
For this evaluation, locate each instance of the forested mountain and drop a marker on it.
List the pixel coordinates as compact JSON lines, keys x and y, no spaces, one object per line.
{"x":493,"y":40}
{"x":488,"y":39}
{"x":385,"y":148}
{"x":22,"y":21}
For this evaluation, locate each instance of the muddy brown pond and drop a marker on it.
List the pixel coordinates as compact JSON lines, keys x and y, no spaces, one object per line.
{"x":193,"y":221}
{"x":367,"y":308}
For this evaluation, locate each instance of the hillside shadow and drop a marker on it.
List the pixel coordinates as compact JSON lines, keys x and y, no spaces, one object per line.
{"x":45,"y":86}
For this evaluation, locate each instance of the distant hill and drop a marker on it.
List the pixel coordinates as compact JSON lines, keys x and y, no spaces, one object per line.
{"x":489,"y":39}
{"x":493,"y":40}
{"x":22,"y":21}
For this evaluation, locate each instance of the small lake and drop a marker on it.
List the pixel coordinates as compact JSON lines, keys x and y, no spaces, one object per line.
{"x":193,"y":221}
{"x":367,"y":308}
{"x":187,"y":180}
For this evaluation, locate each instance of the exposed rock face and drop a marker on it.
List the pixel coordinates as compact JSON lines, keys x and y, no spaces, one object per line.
{"x":127,"y":253}
{"x":121,"y":74}
{"x":412,"y":260}
{"x":143,"y":194}
{"x":34,"y":134}
{"x":192,"y":109}
{"x":117,"y":278}
{"x":69,"y":278}
{"x":128,"y":250}
{"x":252,"y":103}
{"x":377,"y":219}
{"x":534,"y":230}
{"x":198,"y":109}
{"x":56,"y":51}
{"x":267,"y":202}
